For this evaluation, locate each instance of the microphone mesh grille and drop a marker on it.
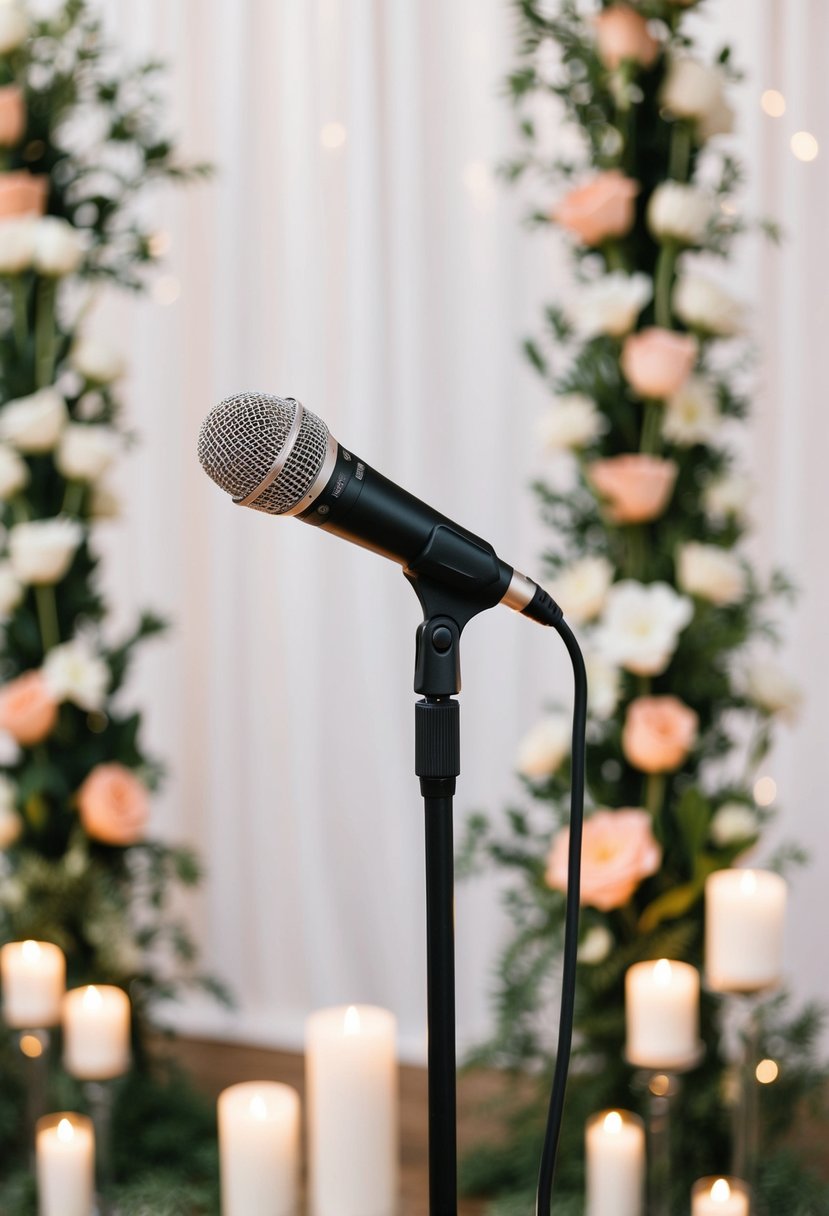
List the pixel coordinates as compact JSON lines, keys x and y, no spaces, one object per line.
{"x":241,"y":439}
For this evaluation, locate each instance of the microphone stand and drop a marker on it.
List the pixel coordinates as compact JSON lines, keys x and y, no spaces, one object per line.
{"x":437,"y":764}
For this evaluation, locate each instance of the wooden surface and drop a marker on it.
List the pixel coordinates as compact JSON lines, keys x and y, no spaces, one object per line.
{"x":213,"y":1066}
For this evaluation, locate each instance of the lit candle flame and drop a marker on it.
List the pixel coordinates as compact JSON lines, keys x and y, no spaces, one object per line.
{"x":31,"y":952}
{"x":351,"y":1025}
{"x":721,"y":1191}
{"x":92,"y":998}
{"x":66,"y":1132}
{"x":613,"y":1122}
{"x":258,"y":1108}
{"x":662,"y":973}
{"x":748,"y":883}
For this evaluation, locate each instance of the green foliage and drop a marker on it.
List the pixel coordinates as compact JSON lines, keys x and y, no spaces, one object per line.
{"x":624,"y":126}
{"x":95,"y":138}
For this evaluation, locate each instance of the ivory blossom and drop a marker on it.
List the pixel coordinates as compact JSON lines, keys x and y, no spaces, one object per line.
{"x":14,"y":26}
{"x":34,"y":424}
{"x":571,"y":422}
{"x":74,"y":672}
{"x":581,"y":588}
{"x":702,"y":304}
{"x":17,"y":244}
{"x":711,"y":573}
{"x":58,"y":247}
{"x":42,"y":550}
{"x":86,"y":451}
{"x":692,"y":414}
{"x":641,"y":624}
{"x":696,"y":91}
{"x":732,"y":823}
{"x":611,"y":304}
{"x":679,"y":212}
{"x":14,"y":472}
{"x":771,"y":687}
{"x":544,"y":748}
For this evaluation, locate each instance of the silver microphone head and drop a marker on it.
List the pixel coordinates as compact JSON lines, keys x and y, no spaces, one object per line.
{"x":266,"y":452}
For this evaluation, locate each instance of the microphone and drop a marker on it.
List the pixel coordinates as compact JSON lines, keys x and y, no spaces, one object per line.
{"x":272,"y":454}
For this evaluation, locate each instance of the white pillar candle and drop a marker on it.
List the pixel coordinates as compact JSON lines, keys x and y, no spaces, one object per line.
{"x":662,"y":1012}
{"x":719,"y":1197}
{"x":615,"y":1144}
{"x":34,"y":981}
{"x":351,"y":1080}
{"x":65,"y":1147}
{"x":745,"y":912}
{"x":96,"y":1033}
{"x":259,"y":1149}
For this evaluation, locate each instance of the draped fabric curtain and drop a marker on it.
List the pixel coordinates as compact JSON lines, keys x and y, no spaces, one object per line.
{"x":356,"y":249}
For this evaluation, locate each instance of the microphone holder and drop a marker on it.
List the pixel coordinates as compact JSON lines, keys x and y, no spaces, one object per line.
{"x":437,"y":764}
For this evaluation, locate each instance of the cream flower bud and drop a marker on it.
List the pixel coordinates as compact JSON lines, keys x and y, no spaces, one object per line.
{"x":728,"y":497}
{"x":679,"y":212}
{"x":97,"y":361}
{"x":58,"y":247}
{"x":42,"y":550}
{"x":34,"y":424}
{"x":544,"y":748}
{"x":696,"y":91}
{"x":692,"y":414}
{"x":733,"y":823}
{"x":771,"y":687}
{"x":86,"y":451}
{"x":14,"y":26}
{"x":581,"y":588}
{"x":611,"y":305}
{"x":75,"y":672}
{"x":702,"y":304}
{"x":106,"y":504}
{"x":596,"y":945}
{"x":711,"y":573}
{"x":572,"y":422}
{"x":17,"y":244}
{"x":14,"y":473}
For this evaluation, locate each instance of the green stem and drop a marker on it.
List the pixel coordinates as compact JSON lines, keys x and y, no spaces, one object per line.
{"x":45,"y":333}
{"x":679,"y":155}
{"x":73,"y":498}
{"x":21,"y":319}
{"x":664,"y":281}
{"x":636,"y":551}
{"x":651,"y":428}
{"x":47,"y":616}
{"x":655,"y":793}
{"x":614,"y":256}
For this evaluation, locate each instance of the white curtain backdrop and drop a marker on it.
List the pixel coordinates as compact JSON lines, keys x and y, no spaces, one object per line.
{"x":357,"y":251}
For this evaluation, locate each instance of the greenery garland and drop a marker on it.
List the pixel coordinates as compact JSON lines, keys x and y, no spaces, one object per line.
{"x":82,"y":141}
{"x":648,"y":509}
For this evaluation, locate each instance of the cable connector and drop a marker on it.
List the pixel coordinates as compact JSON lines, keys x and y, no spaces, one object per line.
{"x":543,"y":608}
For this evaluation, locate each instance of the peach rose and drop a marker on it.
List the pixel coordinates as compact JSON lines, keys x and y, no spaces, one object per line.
{"x":659,"y":733}
{"x":21,"y":193}
{"x":12,"y":115}
{"x":635,"y":488}
{"x":114,"y":805}
{"x":657,"y":362}
{"x":622,"y":33}
{"x":28,"y":711}
{"x":602,"y":208}
{"x":619,"y":851}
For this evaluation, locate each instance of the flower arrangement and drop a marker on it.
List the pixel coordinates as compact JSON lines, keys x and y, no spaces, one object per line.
{"x":80,"y":140}
{"x":648,"y":506}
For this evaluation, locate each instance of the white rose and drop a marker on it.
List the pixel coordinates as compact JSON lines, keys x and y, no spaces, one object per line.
{"x":692,"y":415}
{"x":733,"y":823}
{"x":581,"y":588}
{"x":14,"y":473}
{"x":770,"y":686}
{"x":596,"y":945}
{"x":74,"y":672}
{"x":641,"y":625}
{"x":679,"y":212}
{"x":702,"y":304}
{"x":696,"y":91}
{"x":612,"y":304}
{"x":58,"y":246}
{"x":728,"y":496}
{"x":543,"y":749}
{"x":572,"y":422}
{"x":710,"y":573}
{"x":11,"y":591}
{"x":14,"y":26}
{"x":34,"y":423}
{"x":105,"y":503}
{"x":96,"y":360}
{"x":86,"y":451}
{"x":10,"y":752}
{"x":42,"y":550}
{"x":603,"y":686}
{"x":17,"y":243}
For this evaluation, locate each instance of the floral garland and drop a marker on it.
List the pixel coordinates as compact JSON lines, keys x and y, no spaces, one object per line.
{"x":648,"y":506}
